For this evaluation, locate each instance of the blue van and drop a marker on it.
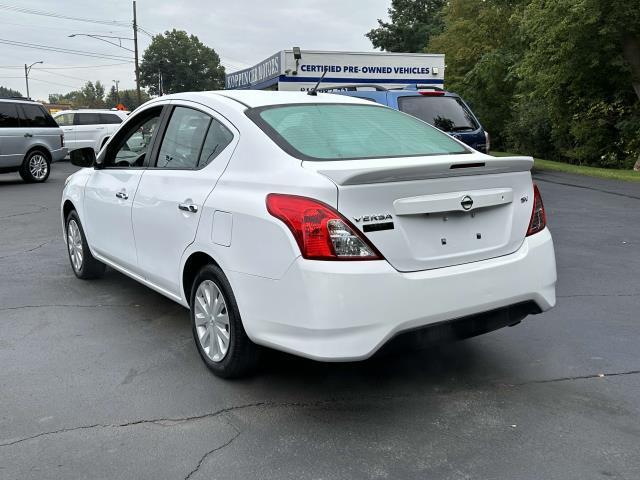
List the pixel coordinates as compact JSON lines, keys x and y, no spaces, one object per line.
{"x":442,"y":109}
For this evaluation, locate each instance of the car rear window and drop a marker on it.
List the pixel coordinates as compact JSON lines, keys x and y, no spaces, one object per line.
{"x":36,"y":116}
{"x":449,"y":114}
{"x":348,"y":131}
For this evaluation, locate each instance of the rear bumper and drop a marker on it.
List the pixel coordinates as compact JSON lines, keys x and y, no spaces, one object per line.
{"x":60,"y":154}
{"x":338,"y":311}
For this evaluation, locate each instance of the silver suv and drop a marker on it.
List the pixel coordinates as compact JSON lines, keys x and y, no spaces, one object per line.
{"x":30,"y":139}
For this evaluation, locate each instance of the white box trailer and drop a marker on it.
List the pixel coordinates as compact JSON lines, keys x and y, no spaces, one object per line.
{"x":291,"y":71}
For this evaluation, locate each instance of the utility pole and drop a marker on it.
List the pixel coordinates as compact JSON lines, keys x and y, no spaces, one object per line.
{"x":27,"y":69}
{"x":117,"y":90}
{"x":135,"y":47}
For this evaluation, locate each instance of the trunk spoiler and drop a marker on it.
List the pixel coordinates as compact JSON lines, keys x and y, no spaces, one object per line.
{"x":384,"y":170}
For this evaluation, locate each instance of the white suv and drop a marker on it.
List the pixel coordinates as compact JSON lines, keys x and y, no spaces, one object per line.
{"x":89,"y":128}
{"x":318,"y":225}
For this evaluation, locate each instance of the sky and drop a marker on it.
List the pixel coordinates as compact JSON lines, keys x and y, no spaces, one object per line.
{"x":242,"y":32}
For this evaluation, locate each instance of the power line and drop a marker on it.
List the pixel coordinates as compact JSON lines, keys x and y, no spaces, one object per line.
{"x":10,"y":67}
{"x":34,"y":26}
{"x":31,"y":77}
{"x":68,"y":51}
{"x":15,"y":8}
{"x":46,"y":70}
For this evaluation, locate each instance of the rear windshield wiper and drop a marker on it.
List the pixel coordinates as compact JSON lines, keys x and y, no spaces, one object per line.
{"x":462,"y":129}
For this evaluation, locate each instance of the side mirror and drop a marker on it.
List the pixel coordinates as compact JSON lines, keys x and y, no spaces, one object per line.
{"x":83,"y":157}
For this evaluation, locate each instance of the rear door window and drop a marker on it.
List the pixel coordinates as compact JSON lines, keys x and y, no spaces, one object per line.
{"x":9,"y":115}
{"x":86,"y":119}
{"x":449,"y":114}
{"x":184,"y":138}
{"x":350,"y":131}
{"x":109,"y":118}
{"x":35,"y":116}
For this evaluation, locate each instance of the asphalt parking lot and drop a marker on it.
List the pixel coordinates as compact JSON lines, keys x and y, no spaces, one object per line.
{"x":102,"y":379}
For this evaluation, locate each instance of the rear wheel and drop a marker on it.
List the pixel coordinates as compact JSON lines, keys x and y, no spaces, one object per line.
{"x":35,"y":167}
{"x":217,"y":327}
{"x":84,"y":265}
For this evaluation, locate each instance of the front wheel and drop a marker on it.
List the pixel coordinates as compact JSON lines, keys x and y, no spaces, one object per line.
{"x":84,"y":265}
{"x":217,"y":327}
{"x":35,"y":167}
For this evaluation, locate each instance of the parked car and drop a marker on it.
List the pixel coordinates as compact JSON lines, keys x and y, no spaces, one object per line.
{"x":444,"y":110}
{"x":30,"y":140}
{"x":89,"y":128}
{"x":319,"y":225}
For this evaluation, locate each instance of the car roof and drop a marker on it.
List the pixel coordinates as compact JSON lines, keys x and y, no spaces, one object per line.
{"x":93,"y":110}
{"x":261,"y":98}
{"x":19,"y":100}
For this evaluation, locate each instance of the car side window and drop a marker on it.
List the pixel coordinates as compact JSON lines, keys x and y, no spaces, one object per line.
{"x":35,"y":116}
{"x":65,"y":119}
{"x":130,"y":147}
{"x":9,"y":115}
{"x":109,"y":118}
{"x":86,"y":119}
{"x":183,"y":139}
{"x":218,"y":137}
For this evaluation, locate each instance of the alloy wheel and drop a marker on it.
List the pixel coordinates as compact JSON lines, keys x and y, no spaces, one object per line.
{"x":38,"y":166}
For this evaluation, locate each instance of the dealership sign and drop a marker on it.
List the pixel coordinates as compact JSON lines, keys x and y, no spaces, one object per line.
{"x":283,"y":71}
{"x":265,"y":70}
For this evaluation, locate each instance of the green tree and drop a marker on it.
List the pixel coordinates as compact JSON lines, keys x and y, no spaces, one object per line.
{"x":413,"y":23}
{"x":579,"y":65}
{"x":112,"y":97}
{"x":129,"y":98}
{"x":7,"y":92}
{"x":481,"y":49}
{"x":89,"y":96}
{"x":185,"y":62}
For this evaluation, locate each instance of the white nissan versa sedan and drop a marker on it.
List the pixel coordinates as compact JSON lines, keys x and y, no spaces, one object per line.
{"x":317,"y":225}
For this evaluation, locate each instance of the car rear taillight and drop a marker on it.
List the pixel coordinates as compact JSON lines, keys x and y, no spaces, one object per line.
{"x":538,"y":215}
{"x":320,"y":231}
{"x":430,"y":93}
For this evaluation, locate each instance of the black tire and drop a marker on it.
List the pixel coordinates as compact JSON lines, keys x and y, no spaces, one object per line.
{"x":35,"y":167}
{"x":88,"y":267}
{"x":242,"y":354}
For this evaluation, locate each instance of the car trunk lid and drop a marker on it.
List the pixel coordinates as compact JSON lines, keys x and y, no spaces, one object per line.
{"x":431,"y":212}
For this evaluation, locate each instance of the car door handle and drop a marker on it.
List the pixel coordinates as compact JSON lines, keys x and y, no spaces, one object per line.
{"x":28,"y":135}
{"x":122,"y":195}
{"x":188,"y":207}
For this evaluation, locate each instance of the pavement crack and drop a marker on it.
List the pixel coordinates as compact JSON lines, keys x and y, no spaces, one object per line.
{"x":577,"y":295}
{"x":211,"y":452}
{"x":60,"y":305}
{"x":20,"y":214}
{"x":27,"y":251}
{"x":156,"y":421}
{"x":577,"y":377}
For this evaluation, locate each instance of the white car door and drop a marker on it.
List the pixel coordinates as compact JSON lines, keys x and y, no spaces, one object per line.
{"x":88,"y":130}
{"x":110,"y":191}
{"x":186,"y":164}
{"x":65,"y":120}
